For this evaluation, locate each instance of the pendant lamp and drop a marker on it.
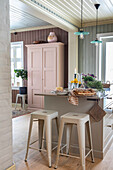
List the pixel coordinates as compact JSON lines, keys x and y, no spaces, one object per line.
{"x":81,"y":32}
{"x":96,"y":41}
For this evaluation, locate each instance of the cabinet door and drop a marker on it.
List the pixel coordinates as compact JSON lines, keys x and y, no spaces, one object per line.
{"x":49,"y":69}
{"x":35,"y":77}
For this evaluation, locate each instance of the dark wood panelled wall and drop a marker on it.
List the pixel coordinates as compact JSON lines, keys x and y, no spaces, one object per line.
{"x":29,"y":36}
{"x":14,"y":93}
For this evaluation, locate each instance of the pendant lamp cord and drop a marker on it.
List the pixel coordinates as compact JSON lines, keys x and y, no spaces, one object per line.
{"x":81,"y":11}
{"x":96,"y":21}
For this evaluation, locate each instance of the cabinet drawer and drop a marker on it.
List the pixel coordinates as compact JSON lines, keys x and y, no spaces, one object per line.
{"x":108,"y":124}
{"x":107,"y":102}
{"x":108,"y":134}
{"x":107,"y":117}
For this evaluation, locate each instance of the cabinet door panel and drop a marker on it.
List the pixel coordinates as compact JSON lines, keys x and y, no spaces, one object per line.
{"x":49,"y":69}
{"x":36,"y":101}
{"x":35,"y":77}
{"x":49,"y":80}
{"x":36,"y":58}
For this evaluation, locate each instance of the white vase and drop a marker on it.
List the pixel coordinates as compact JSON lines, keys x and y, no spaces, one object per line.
{"x":52,"y":37}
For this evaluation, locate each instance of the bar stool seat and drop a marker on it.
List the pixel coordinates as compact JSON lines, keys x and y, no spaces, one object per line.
{"x":80,"y":120}
{"x":45,"y":118}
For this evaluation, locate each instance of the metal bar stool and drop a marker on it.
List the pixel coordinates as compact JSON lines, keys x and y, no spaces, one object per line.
{"x":80,"y":120}
{"x":45,"y":118}
{"x":23,"y":96}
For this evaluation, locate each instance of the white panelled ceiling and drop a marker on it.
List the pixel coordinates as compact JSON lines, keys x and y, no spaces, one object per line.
{"x":66,"y":10}
{"x":71,"y":9}
{"x":19,"y":18}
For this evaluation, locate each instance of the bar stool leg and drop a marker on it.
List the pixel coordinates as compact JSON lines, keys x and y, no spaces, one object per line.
{"x":81,"y":139}
{"x":57,"y":124}
{"x":48,"y":129}
{"x":43,"y":143}
{"x":23,"y":102}
{"x":68,"y":136}
{"x":29,"y":136}
{"x":16,"y":101}
{"x":88,"y":126}
{"x":40,"y":127}
{"x":59,"y":142}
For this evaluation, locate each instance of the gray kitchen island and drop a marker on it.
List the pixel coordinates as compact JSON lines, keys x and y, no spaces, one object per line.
{"x":102,"y":133}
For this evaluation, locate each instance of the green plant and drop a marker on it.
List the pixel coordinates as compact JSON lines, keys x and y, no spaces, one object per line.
{"x":91,"y":82}
{"x":88,"y":77}
{"x":95,"y":84}
{"x":21,"y":73}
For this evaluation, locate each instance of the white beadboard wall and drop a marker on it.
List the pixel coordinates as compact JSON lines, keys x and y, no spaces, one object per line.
{"x":87,"y":51}
{"x":6,"y":158}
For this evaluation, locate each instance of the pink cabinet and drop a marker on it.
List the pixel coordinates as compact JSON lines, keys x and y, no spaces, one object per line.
{"x":45,"y":70}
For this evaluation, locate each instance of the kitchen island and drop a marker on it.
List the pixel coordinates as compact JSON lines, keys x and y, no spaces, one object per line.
{"x":102,"y":132}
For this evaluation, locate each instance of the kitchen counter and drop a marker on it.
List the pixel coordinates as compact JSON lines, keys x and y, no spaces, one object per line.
{"x":101,"y":132}
{"x":98,"y":96}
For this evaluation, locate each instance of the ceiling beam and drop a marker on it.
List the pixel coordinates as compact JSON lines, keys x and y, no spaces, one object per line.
{"x":102,"y":22}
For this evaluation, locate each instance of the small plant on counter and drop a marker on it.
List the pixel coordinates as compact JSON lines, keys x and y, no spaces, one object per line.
{"x":95,"y":84}
{"x":88,"y":77}
{"x":91,"y":82}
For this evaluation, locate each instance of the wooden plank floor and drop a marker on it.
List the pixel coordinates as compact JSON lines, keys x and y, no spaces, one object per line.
{"x":38,"y":161}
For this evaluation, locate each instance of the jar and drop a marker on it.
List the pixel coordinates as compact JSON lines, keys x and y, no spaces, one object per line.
{"x":52,"y":37}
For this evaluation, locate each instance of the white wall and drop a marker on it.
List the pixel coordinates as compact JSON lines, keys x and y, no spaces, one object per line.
{"x":5,"y":89}
{"x":72,"y":55}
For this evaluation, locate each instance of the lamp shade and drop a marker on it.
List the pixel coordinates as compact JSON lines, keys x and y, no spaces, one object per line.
{"x":96,"y":41}
{"x":81,"y":32}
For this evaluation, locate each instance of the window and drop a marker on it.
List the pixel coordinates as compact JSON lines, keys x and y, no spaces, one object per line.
{"x":104,"y":57}
{"x":109,"y":61}
{"x":16,"y":62}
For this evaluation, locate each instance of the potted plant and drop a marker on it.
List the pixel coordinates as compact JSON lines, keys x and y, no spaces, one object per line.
{"x":23,"y":74}
{"x":91,"y":82}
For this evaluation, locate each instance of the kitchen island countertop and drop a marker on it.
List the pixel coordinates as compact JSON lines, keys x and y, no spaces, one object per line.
{"x":98,"y":96}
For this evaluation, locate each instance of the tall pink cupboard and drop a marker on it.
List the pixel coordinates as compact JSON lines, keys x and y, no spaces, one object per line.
{"x":45,"y":70}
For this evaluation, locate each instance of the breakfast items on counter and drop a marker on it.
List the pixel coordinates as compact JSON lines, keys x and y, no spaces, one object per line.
{"x":59,"y":89}
{"x":79,"y":91}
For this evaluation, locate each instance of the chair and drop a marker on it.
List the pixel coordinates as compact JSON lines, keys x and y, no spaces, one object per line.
{"x":80,"y":120}
{"x":44,"y":117}
{"x":23,"y":96}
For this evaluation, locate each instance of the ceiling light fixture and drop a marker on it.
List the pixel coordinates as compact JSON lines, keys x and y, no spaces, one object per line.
{"x":96,"y":41}
{"x":81,"y":32}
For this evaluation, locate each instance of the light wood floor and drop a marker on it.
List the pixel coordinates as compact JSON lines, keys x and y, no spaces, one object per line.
{"x":38,"y":161}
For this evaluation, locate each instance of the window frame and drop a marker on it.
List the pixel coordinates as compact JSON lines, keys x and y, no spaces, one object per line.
{"x":98,"y":54}
{"x":22,"y":59}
